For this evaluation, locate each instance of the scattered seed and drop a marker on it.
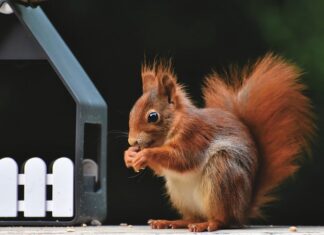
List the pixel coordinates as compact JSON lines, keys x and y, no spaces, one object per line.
{"x":70,"y":229}
{"x":293,"y":229}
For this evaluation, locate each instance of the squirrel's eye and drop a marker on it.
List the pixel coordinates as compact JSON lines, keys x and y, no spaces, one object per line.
{"x":153,"y":117}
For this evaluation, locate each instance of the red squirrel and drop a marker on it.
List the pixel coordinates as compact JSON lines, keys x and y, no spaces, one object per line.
{"x":220,"y":162}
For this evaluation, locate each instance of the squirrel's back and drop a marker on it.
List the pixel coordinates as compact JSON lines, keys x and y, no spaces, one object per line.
{"x":268,"y":98}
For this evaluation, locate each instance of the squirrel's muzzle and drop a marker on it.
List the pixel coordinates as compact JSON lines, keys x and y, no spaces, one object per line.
{"x":132,"y":141}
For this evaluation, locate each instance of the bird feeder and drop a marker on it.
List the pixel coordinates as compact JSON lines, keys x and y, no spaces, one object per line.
{"x":77,"y":184}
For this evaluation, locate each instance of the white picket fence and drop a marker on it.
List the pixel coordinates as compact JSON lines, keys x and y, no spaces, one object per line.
{"x":34,"y":179}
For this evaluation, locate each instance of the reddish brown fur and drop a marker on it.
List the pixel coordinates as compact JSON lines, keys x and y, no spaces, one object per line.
{"x":270,"y":102}
{"x":241,"y":145}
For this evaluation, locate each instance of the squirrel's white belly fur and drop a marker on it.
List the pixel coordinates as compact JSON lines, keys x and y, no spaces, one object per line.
{"x":185,"y":191}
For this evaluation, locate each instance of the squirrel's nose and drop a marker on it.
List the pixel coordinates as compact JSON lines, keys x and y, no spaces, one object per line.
{"x":132,"y":141}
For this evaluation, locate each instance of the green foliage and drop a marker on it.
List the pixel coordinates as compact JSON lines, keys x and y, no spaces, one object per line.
{"x":296,"y":30}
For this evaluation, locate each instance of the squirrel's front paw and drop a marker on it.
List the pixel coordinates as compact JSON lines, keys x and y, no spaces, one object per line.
{"x":140,"y":161}
{"x":130,"y":154}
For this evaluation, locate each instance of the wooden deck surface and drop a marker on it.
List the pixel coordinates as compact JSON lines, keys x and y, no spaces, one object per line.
{"x":257,"y":230}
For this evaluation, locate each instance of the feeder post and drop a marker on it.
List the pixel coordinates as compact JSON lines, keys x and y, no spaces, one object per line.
{"x":90,"y":109}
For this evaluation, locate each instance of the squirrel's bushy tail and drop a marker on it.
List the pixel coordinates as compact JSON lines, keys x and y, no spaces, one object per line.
{"x":268,"y":98}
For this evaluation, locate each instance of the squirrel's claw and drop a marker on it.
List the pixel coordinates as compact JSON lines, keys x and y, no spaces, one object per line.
{"x":139,"y":162}
{"x":204,"y":226}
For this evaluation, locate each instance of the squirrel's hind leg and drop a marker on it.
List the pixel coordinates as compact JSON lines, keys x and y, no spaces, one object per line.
{"x":227,"y":188}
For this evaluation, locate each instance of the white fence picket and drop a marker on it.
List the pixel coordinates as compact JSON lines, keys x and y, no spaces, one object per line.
{"x":62,"y":188}
{"x":35,"y":188}
{"x":8,"y":187}
{"x":35,"y":179}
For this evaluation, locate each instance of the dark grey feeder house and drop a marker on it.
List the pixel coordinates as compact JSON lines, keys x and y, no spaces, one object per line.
{"x":37,"y":39}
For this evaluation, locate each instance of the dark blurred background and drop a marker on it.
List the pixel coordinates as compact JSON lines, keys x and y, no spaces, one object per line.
{"x":110,"y":39}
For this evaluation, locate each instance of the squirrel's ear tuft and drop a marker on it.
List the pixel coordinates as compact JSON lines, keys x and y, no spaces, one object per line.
{"x":149,"y":81}
{"x":167,"y":87}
